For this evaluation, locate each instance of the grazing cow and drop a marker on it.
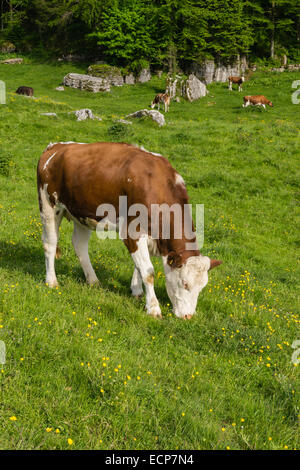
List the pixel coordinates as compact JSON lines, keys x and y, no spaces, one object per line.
{"x":75,"y":179}
{"x":257,"y":100}
{"x":163,"y":98}
{"x":237,"y":81}
{"x":25,"y":90}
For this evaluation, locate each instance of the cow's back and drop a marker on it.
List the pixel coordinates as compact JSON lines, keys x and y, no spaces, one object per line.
{"x":83,"y":176}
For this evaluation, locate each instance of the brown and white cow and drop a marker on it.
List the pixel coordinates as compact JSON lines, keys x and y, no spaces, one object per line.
{"x":237,"y":81}
{"x":25,"y":90}
{"x":257,"y":100}
{"x":75,"y":179}
{"x":163,"y":98}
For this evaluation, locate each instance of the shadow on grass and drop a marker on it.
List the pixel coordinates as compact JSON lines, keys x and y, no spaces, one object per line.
{"x":20,"y":257}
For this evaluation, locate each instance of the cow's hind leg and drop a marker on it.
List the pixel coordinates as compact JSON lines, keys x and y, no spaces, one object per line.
{"x":51,"y":218}
{"x":80,"y":240}
{"x":143,"y":263}
{"x":136,"y":284}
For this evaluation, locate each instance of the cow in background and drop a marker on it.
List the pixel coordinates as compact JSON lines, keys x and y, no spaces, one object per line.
{"x":237,"y":81}
{"x":257,"y":100}
{"x":25,"y":90}
{"x":161,"y":98}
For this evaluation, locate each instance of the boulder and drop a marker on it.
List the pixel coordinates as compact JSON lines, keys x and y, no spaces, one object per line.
{"x":49,"y":114}
{"x":190,"y":88}
{"x":209,"y":71}
{"x":123,"y":121}
{"x":154,"y":115}
{"x":129,"y":79}
{"x":83,"y":114}
{"x":86,"y":82}
{"x":144,"y":76}
{"x":107,"y":72}
{"x":193,"y":88}
{"x":16,"y":60}
{"x":60,"y":88}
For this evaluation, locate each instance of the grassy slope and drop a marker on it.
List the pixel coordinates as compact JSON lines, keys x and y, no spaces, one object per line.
{"x":89,"y":362}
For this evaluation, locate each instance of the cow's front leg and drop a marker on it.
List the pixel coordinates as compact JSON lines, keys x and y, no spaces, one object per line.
{"x":136,"y":284}
{"x":141,"y":259}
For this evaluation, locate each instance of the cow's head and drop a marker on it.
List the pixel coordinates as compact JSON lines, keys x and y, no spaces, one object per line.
{"x":184,"y":281}
{"x":152,"y":105}
{"x":271,"y":104}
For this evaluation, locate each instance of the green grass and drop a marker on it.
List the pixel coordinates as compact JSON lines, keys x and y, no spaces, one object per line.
{"x":89,"y":361}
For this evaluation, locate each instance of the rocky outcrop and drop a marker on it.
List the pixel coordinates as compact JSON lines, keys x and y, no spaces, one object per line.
{"x":208,"y":71}
{"x":190,"y":88}
{"x":86,"y":82}
{"x":289,"y":68}
{"x":83,"y":114}
{"x":144,"y":76}
{"x":16,"y":60}
{"x":154,"y":115}
{"x":107,"y":72}
{"x":129,"y":79}
{"x":193,"y":88}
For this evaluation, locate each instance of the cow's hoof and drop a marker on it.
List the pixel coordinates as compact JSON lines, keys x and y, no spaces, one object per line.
{"x":137,"y":296}
{"x":187,"y":317}
{"x":94,"y":283}
{"x":52,"y":284}
{"x":155,"y":312}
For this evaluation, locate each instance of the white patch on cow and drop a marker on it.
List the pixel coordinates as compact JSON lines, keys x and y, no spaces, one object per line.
{"x":141,"y":259}
{"x":63,"y":143}
{"x":49,"y":159}
{"x":147,"y":151}
{"x":184,"y":284}
{"x":179,"y":179}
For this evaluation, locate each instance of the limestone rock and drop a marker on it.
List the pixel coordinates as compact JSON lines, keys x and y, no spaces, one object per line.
{"x":190,"y":88}
{"x":83,"y":114}
{"x":86,"y":82}
{"x":208,"y":71}
{"x":49,"y":114}
{"x":16,"y":60}
{"x":144,"y":76}
{"x":193,"y":89}
{"x":153,"y":114}
{"x":123,"y":121}
{"x":107,"y":72}
{"x":129,"y":79}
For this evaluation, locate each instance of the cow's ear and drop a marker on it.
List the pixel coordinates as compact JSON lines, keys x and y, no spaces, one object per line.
{"x":175,"y":260}
{"x":214,"y":263}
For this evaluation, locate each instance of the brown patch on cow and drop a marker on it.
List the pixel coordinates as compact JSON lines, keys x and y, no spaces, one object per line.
{"x":150,"y":279}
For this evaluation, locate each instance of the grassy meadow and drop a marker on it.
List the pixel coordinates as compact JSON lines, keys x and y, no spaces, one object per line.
{"x":86,"y":368}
